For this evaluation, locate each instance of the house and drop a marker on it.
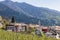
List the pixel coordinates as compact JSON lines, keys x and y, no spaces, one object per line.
{"x":45,"y":29}
{"x":57,"y":29}
{"x":10,"y":27}
{"x":34,"y":26}
{"x":17,"y":27}
{"x":21,"y":27}
{"x":31,"y":25}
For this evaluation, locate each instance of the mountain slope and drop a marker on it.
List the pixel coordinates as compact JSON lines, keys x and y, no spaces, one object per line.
{"x":19,"y":16}
{"x":36,"y":11}
{"x":14,"y":7}
{"x":27,"y":13}
{"x":47,"y":16}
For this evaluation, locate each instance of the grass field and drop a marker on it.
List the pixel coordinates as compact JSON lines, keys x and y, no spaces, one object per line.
{"x":5,"y":35}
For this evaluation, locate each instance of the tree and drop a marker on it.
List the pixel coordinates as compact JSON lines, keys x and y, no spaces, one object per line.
{"x":0,"y":18}
{"x":12,"y":20}
{"x":5,"y":22}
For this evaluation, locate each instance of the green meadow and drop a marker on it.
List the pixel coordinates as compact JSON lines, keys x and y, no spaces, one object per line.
{"x":5,"y":35}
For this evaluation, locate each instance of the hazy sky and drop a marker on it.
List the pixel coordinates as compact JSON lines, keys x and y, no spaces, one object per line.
{"x":52,"y":4}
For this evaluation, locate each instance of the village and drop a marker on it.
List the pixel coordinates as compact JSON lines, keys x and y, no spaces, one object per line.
{"x":12,"y":26}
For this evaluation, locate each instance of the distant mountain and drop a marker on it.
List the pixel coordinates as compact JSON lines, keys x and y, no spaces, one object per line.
{"x":27,"y":13}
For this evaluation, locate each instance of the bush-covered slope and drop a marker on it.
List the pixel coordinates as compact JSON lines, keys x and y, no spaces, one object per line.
{"x":47,"y":16}
{"x":27,"y":13}
{"x":19,"y":16}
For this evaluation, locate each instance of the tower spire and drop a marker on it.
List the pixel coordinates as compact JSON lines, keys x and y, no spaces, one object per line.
{"x":39,"y":23}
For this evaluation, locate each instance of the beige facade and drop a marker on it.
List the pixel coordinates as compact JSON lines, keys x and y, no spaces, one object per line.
{"x":17,"y":27}
{"x":57,"y":28}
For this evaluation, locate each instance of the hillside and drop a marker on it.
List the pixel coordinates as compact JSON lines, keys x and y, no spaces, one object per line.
{"x":27,"y":13}
{"x":19,"y":16}
{"x":46,"y":16}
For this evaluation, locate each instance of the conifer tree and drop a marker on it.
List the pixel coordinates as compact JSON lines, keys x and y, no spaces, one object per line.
{"x":12,"y":19}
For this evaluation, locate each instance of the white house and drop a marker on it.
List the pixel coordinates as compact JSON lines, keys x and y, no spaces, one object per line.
{"x":17,"y":27}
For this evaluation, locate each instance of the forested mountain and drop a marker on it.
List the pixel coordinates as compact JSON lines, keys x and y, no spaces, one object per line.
{"x":24,"y":12}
